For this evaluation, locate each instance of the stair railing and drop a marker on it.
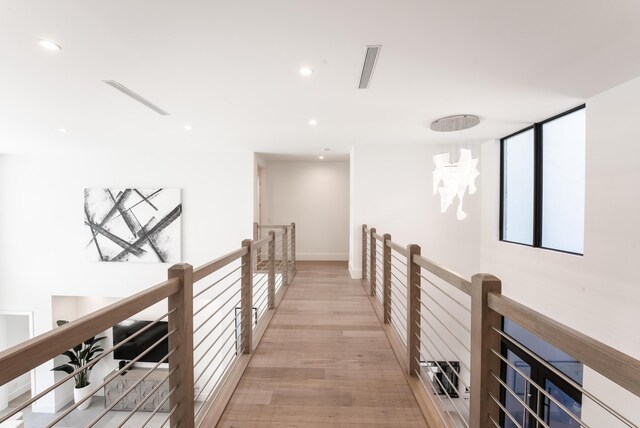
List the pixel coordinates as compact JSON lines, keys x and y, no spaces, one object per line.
{"x":447,"y":332}
{"x":213,"y":318}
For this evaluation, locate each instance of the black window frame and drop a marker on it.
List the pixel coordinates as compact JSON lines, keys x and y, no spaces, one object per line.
{"x":537,"y":181}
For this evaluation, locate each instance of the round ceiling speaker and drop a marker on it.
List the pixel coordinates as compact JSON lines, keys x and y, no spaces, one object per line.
{"x":458,"y":122}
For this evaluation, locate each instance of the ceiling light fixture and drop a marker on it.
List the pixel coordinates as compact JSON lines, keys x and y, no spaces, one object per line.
{"x":188,"y":127}
{"x":313,"y":122}
{"x":456,"y":177}
{"x":306,"y":71}
{"x":63,"y":130}
{"x":48,"y":44}
{"x":320,"y":157}
{"x":458,"y":122}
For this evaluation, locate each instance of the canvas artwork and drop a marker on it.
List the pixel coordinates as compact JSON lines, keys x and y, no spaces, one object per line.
{"x":133,"y":225}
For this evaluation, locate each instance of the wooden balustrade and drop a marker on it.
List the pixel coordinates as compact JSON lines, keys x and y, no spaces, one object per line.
{"x":178,"y":291}
{"x":372,"y":264}
{"x":413,"y":311}
{"x":487,"y":309}
{"x":483,"y":340}
{"x":386,"y":293}
{"x":182,"y":360}
{"x":246,"y":299}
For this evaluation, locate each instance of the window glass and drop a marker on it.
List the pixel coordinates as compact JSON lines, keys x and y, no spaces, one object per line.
{"x":518,"y":161}
{"x":563,"y":172}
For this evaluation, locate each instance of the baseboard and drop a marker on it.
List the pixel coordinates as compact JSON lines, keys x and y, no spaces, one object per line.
{"x":63,"y":401}
{"x":355,"y":273}
{"x":26,"y":387}
{"x":324,"y":257}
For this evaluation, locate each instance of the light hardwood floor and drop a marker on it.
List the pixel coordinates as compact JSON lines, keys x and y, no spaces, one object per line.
{"x":324,"y":361}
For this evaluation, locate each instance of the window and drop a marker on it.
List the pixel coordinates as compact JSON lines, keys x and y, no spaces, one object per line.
{"x":531,"y":370}
{"x":542,"y":184}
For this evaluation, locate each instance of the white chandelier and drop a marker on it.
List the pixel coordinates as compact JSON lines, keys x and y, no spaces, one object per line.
{"x":456,"y":179}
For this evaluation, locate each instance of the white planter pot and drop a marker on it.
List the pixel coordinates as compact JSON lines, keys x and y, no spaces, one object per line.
{"x":79,"y":394}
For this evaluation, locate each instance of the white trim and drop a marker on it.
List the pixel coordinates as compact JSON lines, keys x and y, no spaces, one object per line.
{"x":342,"y":257}
{"x":355,"y":273}
{"x":29,"y":315}
{"x":21,"y":389}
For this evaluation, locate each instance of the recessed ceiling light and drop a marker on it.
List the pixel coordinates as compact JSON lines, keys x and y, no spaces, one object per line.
{"x":306,"y":71}
{"x":188,"y":127}
{"x":320,"y":157}
{"x":326,"y":149}
{"x":313,"y":122}
{"x":48,"y":44}
{"x":63,"y":130}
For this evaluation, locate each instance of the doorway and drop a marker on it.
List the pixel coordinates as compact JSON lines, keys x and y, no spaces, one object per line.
{"x":15,"y":328}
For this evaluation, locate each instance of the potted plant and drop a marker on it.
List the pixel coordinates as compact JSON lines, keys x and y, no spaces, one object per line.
{"x":79,"y":356}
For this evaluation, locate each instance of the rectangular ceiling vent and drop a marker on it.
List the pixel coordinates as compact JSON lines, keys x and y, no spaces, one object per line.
{"x":120,"y":87}
{"x":370,"y":60}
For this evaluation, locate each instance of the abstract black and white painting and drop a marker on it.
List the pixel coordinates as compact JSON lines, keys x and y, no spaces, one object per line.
{"x":133,"y":225}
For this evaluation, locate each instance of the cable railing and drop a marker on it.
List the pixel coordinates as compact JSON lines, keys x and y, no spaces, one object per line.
{"x":467,"y":366}
{"x":285,"y":249}
{"x":183,"y":344}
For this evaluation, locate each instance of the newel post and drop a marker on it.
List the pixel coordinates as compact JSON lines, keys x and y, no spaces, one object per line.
{"x":413,"y":310}
{"x":293,"y":247}
{"x":386,"y":289}
{"x":246,"y":299}
{"x":483,"y":361}
{"x":182,"y":340}
{"x":272,"y":270}
{"x":364,"y":251}
{"x":285,"y":257}
{"x":372,"y":266}
{"x":256,"y":231}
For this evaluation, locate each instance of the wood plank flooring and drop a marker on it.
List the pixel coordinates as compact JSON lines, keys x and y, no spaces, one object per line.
{"x":324,"y":361}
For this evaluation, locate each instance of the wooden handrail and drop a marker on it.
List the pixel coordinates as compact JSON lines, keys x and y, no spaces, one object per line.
{"x":609,"y":362}
{"x":261,"y":242}
{"x":377,"y":237}
{"x":488,"y":307}
{"x":208,"y":268}
{"x":44,"y":347}
{"x":273,"y":226}
{"x":445,"y":274}
{"x":397,"y":248}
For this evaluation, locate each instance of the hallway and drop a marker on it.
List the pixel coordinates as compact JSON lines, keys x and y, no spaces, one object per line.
{"x":323,"y":361}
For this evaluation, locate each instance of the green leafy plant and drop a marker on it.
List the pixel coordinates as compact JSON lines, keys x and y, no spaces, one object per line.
{"x":79,"y":356}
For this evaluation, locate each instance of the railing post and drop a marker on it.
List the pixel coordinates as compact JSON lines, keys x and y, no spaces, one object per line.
{"x":413,"y":311}
{"x":285,"y":257}
{"x":246,"y":300}
{"x":386,"y":289}
{"x":364,"y":251}
{"x":372,"y":266}
{"x":483,"y":361}
{"x":256,"y":236}
{"x":293,"y":247}
{"x":272,"y":270}
{"x":182,"y":340}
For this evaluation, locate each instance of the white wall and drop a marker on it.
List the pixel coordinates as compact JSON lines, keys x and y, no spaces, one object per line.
{"x":598,"y":293}
{"x":314,"y":196}
{"x":42,"y":245}
{"x":13,"y":330}
{"x":392,"y":191}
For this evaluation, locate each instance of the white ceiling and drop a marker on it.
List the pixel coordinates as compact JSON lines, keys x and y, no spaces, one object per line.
{"x":230,"y":68}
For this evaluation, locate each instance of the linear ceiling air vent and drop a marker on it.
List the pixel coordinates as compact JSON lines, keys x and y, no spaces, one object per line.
{"x":120,"y":87}
{"x":370,"y":60}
